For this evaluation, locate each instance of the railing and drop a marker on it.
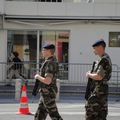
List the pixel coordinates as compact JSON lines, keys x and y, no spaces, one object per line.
{"x":75,"y":73}
{"x":72,"y":74}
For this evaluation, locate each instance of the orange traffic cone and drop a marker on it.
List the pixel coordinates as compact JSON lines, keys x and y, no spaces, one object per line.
{"x":24,"y":102}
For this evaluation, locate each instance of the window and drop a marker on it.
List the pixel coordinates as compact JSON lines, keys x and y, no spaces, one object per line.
{"x":38,"y":0}
{"x":83,"y":1}
{"x":49,"y":0}
{"x":61,"y":40}
{"x":25,"y":43}
{"x":114,"y":39}
{"x":59,"y":0}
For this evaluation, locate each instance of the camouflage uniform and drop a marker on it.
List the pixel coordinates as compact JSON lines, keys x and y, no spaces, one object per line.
{"x":96,"y":105}
{"x":47,"y":103}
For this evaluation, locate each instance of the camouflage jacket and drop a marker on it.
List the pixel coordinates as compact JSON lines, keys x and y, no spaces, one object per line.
{"x":103,"y":67}
{"x":49,"y":68}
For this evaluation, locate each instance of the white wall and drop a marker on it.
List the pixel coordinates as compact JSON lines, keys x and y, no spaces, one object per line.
{"x":1,"y":6}
{"x":82,"y":36}
{"x":67,"y":9}
{"x":3,"y":45}
{"x":3,"y":54}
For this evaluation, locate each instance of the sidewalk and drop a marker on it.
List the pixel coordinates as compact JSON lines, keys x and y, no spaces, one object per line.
{"x":70,"y":106}
{"x":7,"y":95}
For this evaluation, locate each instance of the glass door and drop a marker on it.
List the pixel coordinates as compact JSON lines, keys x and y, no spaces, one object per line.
{"x":29,"y":43}
{"x":25,"y":44}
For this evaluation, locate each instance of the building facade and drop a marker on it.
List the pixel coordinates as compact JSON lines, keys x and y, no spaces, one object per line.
{"x":72,"y":25}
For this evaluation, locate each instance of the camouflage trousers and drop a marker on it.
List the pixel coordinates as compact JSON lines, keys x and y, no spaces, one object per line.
{"x":47,"y":106}
{"x":97,"y":108}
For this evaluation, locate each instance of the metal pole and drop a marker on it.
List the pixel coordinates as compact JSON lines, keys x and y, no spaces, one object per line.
{"x":117,"y":78}
{"x":117,"y":82}
{"x":38,"y":46}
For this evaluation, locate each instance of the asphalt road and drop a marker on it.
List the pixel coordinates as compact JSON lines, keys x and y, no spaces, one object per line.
{"x":69,"y":110}
{"x":71,"y":106}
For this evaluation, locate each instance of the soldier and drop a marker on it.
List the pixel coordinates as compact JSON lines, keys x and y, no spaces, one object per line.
{"x":47,"y":84}
{"x":97,"y":100}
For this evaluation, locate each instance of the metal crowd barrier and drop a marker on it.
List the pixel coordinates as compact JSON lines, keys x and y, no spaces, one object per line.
{"x":70,"y":74}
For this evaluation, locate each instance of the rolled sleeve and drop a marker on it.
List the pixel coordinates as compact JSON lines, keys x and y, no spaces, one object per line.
{"x":49,"y":70}
{"x":49,"y":75}
{"x":104,"y":68}
{"x":101,"y":71}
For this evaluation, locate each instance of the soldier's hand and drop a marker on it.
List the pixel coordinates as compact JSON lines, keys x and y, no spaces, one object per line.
{"x":87,"y":74}
{"x":37,"y":76}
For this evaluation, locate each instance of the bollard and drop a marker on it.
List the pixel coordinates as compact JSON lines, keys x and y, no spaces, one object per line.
{"x":58,"y":93}
{"x":18,"y":86}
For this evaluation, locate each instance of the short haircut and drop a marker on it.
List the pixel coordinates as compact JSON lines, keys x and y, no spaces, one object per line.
{"x":52,"y":51}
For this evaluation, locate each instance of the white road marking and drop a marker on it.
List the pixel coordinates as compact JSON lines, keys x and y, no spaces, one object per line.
{"x":63,"y":113}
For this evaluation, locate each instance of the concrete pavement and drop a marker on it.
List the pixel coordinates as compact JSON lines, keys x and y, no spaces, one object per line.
{"x":69,"y":110}
{"x":71,"y":106}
